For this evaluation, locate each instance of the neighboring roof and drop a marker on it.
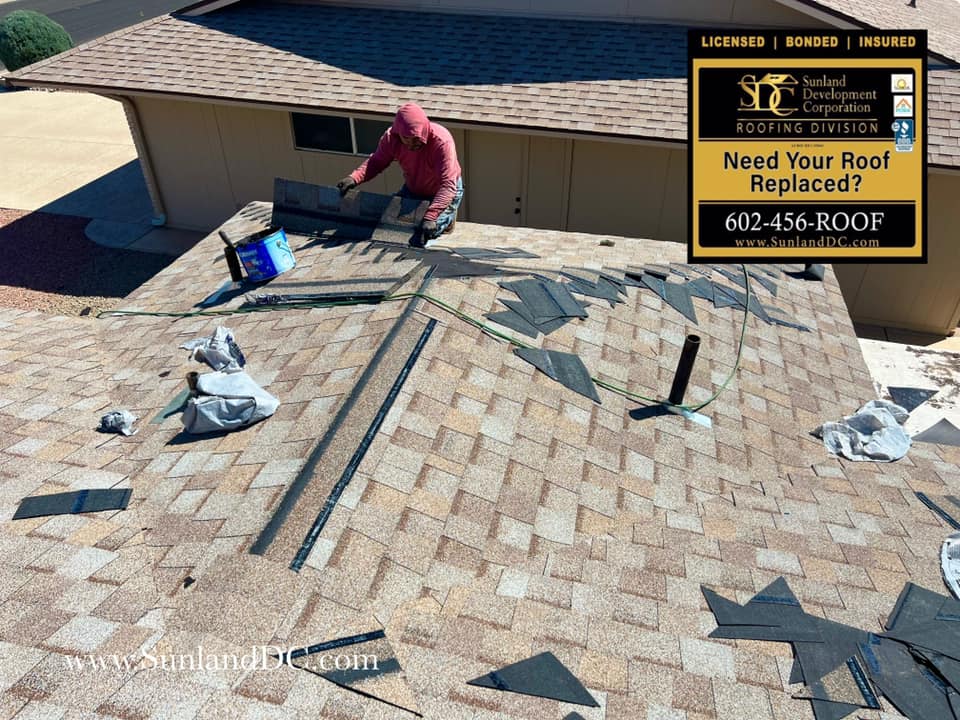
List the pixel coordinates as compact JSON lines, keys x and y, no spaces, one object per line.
{"x":612,"y":79}
{"x":495,"y":514}
{"x":940,"y":18}
{"x":943,"y":107}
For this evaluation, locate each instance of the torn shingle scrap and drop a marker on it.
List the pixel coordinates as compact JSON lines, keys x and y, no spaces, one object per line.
{"x":71,"y":503}
{"x":542,"y":676}
{"x":913,"y":664}
{"x":365,"y":664}
{"x":566,"y":368}
{"x":547,"y":300}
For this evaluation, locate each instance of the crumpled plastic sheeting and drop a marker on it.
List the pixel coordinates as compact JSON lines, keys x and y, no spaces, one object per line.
{"x":118,"y":421}
{"x":873,"y":433}
{"x":220,"y":351}
{"x":227,"y":401}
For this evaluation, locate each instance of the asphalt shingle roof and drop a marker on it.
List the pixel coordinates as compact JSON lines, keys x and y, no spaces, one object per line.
{"x":614,"y":79}
{"x":940,"y":18}
{"x":495,"y":515}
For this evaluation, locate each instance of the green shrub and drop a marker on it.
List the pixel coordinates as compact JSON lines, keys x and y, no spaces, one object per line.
{"x":27,"y":37}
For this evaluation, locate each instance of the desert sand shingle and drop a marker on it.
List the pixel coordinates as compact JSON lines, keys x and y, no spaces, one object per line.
{"x":496,"y":515}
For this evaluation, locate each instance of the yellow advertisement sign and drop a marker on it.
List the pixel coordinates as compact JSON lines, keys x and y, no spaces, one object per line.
{"x":807,"y":146}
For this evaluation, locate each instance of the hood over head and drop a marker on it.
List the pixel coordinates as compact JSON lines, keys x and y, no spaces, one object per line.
{"x":411,"y":121}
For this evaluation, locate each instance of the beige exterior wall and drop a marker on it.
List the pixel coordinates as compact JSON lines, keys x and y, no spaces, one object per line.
{"x":210,"y":160}
{"x":708,"y":12}
{"x":231,"y":154}
{"x":917,"y":297}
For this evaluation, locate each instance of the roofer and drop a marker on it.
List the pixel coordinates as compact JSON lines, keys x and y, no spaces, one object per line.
{"x":428,"y":158}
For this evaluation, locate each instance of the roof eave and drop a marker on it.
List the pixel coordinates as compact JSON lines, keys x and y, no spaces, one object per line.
{"x":842,"y":20}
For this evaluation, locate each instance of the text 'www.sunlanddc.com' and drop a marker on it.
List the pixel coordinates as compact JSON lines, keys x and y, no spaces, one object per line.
{"x":797,"y":242}
{"x":258,"y":658}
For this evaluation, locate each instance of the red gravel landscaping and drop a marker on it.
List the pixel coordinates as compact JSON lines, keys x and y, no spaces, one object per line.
{"x":48,"y":264}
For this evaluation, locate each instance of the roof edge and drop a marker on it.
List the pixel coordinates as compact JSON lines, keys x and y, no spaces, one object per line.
{"x":203,"y":7}
{"x":337,"y":110}
{"x":818,"y":10}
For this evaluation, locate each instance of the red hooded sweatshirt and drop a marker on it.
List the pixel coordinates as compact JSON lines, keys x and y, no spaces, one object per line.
{"x":430,"y":171}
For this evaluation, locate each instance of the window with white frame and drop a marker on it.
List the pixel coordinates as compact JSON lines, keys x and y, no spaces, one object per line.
{"x":332,"y":133}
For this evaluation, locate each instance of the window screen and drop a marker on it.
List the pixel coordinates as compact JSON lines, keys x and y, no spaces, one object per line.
{"x":368,"y":134}
{"x":322,"y":132}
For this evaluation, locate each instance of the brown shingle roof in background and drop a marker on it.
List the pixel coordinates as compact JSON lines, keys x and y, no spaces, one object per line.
{"x":940,"y":18}
{"x":615,"y":79}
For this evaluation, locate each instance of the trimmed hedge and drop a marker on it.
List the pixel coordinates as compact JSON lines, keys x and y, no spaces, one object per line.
{"x":27,"y":37}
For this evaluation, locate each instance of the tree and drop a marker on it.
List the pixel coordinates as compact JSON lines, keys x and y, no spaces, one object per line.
{"x":27,"y":37}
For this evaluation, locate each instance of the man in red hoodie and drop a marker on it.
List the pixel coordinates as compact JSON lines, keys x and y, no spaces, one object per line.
{"x":428,"y":158}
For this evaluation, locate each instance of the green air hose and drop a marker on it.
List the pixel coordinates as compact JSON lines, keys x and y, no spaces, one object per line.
{"x":467,"y":319}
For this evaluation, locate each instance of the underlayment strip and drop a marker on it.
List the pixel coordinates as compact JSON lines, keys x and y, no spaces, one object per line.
{"x":308,"y":471}
{"x":310,"y":540}
{"x":72,"y":503}
{"x":943,"y":514}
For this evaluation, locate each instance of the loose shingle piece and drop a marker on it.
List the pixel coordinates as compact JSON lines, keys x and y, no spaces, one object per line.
{"x":915,"y":664}
{"x":547,"y":300}
{"x":72,"y":503}
{"x":910,"y":398}
{"x":542,"y":676}
{"x":566,"y":368}
{"x":365,"y":664}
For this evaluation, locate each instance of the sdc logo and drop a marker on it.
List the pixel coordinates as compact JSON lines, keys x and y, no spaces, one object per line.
{"x":767,"y":93}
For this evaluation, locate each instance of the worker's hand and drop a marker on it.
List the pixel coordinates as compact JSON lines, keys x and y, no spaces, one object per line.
{"x":346,"y":185}
{"x":429,"y":228}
